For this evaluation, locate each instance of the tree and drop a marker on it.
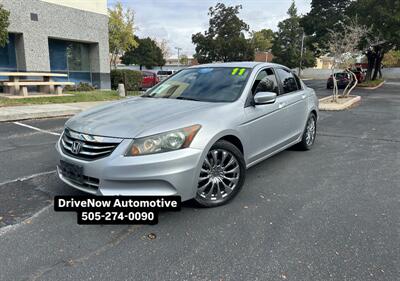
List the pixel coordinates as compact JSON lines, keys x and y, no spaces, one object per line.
{"x":163,"y":45}
{"x":147,"y":54}
{"x":184,"y":59}
{"x":344,"y":47}
{"x":384,"y":19}
{"x":225,"y":38}
{"x":4,"y":23}
{"x":120,"y":32}
{"x":324,"y":15}
{"x":262,"y":40}
{"x":287,"y":45}
{"x":392,"y":59}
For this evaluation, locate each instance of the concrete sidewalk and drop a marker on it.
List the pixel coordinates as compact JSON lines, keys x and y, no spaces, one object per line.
{"x":16,"y":113}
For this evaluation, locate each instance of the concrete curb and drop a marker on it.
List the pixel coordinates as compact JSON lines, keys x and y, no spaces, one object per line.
{"x":336,"y":106}
{"x":372,"y":88}
{"x":38,"y":115}
{"x":17,"y":113}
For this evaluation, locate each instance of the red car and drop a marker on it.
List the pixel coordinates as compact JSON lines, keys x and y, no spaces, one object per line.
{"x":149,"y":80}
{"x":359,"y":73}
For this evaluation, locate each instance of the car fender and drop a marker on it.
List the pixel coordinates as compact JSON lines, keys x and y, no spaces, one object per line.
{"x":211,"y":141}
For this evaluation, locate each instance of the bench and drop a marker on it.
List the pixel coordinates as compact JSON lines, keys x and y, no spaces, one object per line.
{"x":21,"y":87}
{"x":18,"y":84}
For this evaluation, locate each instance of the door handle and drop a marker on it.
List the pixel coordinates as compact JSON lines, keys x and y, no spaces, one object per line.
{"x":282,"y":105}
{"x":303,"y":96}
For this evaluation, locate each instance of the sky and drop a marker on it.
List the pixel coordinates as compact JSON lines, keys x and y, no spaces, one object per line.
{"x":176,"y":20}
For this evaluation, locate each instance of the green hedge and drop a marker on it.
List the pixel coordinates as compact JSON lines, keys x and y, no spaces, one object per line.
{"x":131,"y":78}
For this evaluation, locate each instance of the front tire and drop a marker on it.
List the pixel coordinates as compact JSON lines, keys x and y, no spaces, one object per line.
{"x":310,"y":132}
{"x":222,"y":175}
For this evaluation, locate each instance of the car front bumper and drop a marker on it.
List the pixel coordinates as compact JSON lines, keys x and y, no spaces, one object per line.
{"x":162,"y":174}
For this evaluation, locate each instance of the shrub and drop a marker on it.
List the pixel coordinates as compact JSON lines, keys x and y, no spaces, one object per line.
{"x":132,"y":79}
{"x":69,"y":88}
{"x":81,"y":87}
{"x":85,"y":87}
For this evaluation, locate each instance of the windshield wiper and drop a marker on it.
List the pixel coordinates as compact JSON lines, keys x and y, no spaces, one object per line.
{"x":186,"y":98}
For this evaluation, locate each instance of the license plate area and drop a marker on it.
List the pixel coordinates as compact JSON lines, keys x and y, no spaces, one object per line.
{"x":71,"y":171}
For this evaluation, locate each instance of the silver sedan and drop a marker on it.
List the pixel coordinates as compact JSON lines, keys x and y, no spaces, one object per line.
{"x":192,"y":135}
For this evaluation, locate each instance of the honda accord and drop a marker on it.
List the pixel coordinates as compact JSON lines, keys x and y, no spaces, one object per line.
{"x":193,"y":135}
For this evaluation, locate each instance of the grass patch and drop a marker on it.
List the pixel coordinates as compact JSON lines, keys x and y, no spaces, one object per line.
{"x":77,"y":97}
{"x":371,"y":84}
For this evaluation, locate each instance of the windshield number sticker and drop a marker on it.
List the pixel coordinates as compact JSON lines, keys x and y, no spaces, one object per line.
{"x":238,"y":71}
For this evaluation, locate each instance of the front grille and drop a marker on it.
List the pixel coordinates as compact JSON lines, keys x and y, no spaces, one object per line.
{"x":87,"y":147}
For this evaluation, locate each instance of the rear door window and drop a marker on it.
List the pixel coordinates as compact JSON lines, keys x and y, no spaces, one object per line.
{"x":288,"y":81}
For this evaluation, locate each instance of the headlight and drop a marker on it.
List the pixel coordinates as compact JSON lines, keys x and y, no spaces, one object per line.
{"x":163,"y":142}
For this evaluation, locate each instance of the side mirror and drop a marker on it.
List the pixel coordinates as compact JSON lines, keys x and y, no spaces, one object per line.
{"x":264,"y":98}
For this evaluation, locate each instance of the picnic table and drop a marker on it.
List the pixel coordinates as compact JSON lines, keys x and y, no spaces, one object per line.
{"x":17,"y":84}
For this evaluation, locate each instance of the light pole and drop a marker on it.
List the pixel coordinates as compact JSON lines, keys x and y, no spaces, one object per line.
{"x":179,"y":49}
{"x":301,"y":53}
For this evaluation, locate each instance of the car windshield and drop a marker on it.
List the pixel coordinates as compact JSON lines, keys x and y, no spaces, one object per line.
{"x":209,"y":84}
{"x":341,"y":75}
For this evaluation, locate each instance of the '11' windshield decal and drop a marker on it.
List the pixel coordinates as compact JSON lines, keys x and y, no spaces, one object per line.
{"x":238,"y":71}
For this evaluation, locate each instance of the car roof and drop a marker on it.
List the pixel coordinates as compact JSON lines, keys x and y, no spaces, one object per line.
{"x":244,"y":64}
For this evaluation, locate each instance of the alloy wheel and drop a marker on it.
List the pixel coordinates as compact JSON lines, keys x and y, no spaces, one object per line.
{"x":310,"y":131}
{"x":219,"y":175}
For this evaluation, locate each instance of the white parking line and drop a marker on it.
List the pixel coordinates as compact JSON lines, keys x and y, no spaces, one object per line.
{"x":8,"y":228}
{"x":28,"y":177}
{"x":37,"y":129}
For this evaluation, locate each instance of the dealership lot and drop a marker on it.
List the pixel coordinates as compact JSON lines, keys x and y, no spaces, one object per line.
{"x":332,"y":213}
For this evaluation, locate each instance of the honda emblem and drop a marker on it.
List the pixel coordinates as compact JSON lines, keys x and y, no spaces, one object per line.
{"x":76,"y":147}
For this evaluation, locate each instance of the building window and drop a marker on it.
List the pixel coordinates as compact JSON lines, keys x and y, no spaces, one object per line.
{"x":72,"y":58}
{"x":34,"y":17}
{"x":8,"y":61}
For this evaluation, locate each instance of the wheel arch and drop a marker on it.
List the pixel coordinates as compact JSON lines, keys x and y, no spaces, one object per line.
{"x":233,"y":140}
{"x":313,"y":111}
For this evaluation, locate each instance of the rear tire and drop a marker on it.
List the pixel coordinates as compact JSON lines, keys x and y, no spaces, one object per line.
{"x":222,"y":175}
{"x":309,"y":134}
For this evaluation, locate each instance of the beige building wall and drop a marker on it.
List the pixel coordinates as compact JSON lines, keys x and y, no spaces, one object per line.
{"x":324,"y":63}
{"x":95,"y":6}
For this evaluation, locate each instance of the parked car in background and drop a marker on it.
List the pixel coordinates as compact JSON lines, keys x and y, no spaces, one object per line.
{"x":149,"y":80}
{"x":359,"y":73}
{"x":164,"y":74}
{"x":342,"y":79}
{"x":193,"y":135}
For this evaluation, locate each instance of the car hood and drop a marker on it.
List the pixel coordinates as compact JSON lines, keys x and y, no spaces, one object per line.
{"x":130,"y":117}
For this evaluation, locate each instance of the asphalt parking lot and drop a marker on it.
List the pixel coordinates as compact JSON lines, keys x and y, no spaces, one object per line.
{"x":332,"y":213}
